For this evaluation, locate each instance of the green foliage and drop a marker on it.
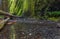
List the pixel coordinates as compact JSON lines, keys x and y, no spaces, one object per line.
{"x":17,"y":7}
{"x":54,"y":19}
{"x":42,"y":6}
{"x":54,"y":14}
{"x":11,"y":6}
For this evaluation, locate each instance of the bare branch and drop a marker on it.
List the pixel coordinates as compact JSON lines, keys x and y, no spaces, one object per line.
{"x":8,"y":14}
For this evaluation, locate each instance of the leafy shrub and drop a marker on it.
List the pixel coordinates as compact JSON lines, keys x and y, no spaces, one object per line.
{"x":54,"y":14}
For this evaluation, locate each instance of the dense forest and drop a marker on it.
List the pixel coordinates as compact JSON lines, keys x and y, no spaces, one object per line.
{"x":41,"y":9}
{"x":17,"y":22}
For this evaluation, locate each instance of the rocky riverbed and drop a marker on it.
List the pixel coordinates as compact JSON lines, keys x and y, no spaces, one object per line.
{"x":33,"y":29}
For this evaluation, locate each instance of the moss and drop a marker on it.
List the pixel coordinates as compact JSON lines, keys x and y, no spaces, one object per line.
{"x":54,"y":19}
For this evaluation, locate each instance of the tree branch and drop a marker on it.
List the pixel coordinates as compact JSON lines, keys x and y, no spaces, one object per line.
{"x":8,"y":14}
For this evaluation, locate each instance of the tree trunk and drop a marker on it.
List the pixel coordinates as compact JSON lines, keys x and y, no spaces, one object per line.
{"x":5,"y":5}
